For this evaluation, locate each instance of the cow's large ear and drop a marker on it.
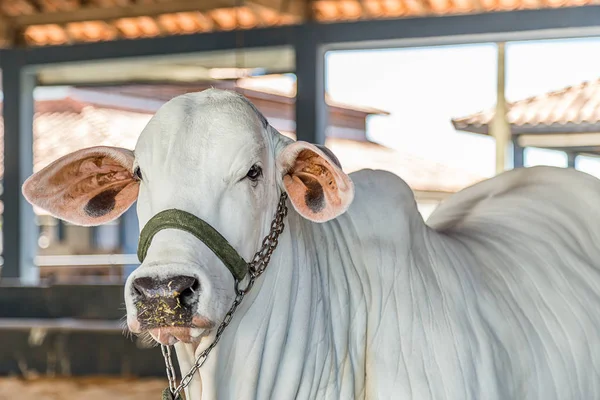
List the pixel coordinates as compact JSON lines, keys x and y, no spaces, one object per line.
{"x":87,"y":187}
{"x":314,"y":181}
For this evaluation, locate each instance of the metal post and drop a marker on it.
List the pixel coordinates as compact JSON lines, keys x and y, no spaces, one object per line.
{"x":571,"y":159}
{"x":499,"y":127}
{"x":61,"y":230}
{"x":130,"y":232}
{"x":518,"y":153}
{"x":311,"y":108}
{"x":19,"y":239}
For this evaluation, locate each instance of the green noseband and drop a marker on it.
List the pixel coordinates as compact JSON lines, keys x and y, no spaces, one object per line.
{"x":183,"y":220}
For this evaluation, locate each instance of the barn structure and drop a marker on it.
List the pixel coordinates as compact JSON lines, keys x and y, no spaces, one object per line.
{"x":87,"y":43}
{"x":565,"y":120}
{"x":77,"y":117}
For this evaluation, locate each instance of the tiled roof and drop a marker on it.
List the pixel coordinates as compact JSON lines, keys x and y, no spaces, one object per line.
{"x":270,"y":85}
{"x":274,"y":84}
{"x":572,"y":109}
{"x":179,"y":23}
{"x":59,"y":131}
{"x":51,"y":22}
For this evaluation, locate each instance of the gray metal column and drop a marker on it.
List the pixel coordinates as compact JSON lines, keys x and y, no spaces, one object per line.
{"x":130,"y":232}
{"x":518,"y":153}
{"x":19,"y":238}
{"x":61,"y":230}
{"x":311,"y":109}
{"x":571,"y":159}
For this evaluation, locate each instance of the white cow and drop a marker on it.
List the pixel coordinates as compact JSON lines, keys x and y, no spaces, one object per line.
{"x":497,"y":298}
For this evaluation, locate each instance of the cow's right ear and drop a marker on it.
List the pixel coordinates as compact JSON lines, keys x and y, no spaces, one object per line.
{"x":87,"y":187}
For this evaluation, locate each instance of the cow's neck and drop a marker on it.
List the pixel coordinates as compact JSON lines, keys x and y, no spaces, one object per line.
{"x":302,"y":330}
{"x":290,"y":336}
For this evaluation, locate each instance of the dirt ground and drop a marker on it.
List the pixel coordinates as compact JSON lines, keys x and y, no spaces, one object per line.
{"x":96,"y":388}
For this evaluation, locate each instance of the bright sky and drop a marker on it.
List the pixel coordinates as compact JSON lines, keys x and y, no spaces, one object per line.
{"x":424,"y":88}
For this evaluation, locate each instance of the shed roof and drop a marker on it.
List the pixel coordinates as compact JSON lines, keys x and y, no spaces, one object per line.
{"x":51,"y":22}
{"x":571,"y":109}
{"x":273,"y":87}
{"x":85,"y":118}
{"x":567,"y":119}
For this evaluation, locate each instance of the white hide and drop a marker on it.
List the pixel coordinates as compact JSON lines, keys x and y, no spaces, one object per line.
{"x":498,"y":299}
{"x":502,"y":303}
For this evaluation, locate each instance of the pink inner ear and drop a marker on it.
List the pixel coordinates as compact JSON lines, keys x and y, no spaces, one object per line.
{"x":88,"y":187}
{"x":317,"y":187}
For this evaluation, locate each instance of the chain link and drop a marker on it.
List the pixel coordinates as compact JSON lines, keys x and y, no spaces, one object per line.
{"x":255,"y":268}
{"x":166,"y":351}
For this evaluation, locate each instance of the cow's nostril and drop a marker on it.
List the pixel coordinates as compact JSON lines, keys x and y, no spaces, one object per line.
{"x":144,"y":287}
{"x":188,"y":295}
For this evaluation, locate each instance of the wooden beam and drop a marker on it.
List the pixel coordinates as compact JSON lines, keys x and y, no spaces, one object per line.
{"x":130,"y":11}
{"x":560,"y":141}
{"x":294,"y":7}
{"x":499,"y":126}
{"x":7,"y":31}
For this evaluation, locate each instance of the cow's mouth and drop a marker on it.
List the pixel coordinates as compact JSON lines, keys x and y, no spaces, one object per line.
{"x":190,"y":331}
{"x":193,"y":333}
{"x":169,"y":335}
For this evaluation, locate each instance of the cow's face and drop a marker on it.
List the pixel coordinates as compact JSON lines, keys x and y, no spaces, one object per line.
{"x":211,"y":154}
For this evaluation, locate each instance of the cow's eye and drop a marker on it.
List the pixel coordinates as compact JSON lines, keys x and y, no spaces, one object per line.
{"x":254,"y":173}
{"x":137,"y":174}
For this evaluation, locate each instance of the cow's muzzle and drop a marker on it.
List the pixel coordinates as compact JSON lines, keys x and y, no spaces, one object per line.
{"x":165,"y":302}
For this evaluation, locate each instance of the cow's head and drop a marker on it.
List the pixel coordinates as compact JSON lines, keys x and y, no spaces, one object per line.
{"x":211,"y":154}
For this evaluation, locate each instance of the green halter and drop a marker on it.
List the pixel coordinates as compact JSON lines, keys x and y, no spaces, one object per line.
{"x":183,"y":220}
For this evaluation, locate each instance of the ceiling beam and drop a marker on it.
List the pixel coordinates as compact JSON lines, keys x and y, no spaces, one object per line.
{"x":296,"y":8}
{"x":111,"y":13}
{"x":367,"y":34}
{"x":564,"y":140}
{"x":7,"y":32}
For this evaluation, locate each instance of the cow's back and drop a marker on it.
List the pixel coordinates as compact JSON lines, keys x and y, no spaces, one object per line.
{"x":528,"y":240}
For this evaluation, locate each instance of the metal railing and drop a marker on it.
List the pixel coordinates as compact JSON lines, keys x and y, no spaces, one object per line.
{"x":86,"y":260}
{"x":63,"y":324}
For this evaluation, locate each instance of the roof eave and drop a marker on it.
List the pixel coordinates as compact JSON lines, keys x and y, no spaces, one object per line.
{"x":469,"y":128}
{"x":529,"y":129}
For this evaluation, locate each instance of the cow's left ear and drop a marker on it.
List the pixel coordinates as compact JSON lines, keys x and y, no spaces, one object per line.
{"x":314,"y":181}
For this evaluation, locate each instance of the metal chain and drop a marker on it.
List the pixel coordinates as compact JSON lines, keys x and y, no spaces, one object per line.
{"x":166,"y":351}
{"x":255,"y":268}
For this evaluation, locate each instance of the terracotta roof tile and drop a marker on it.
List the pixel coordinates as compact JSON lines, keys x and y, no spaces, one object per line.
{"x":273,"y":84}
{"x":166,"y":24}
{"x":575,"y":108}
{"x":247,"y":16}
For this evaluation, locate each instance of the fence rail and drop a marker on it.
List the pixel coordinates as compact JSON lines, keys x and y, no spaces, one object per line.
{"x":86,"y":260}
{"x":62,"y":324}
